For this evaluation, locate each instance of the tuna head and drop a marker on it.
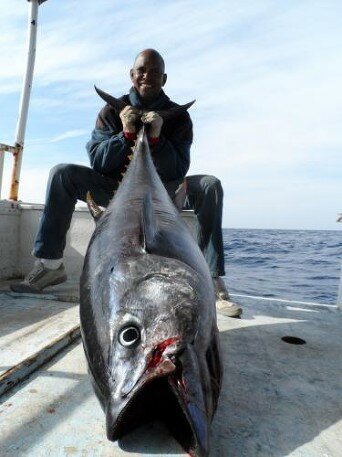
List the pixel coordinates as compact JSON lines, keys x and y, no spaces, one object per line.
{"x":158,"y":358}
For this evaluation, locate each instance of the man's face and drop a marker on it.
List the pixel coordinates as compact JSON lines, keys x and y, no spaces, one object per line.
{"x":148,"y":76}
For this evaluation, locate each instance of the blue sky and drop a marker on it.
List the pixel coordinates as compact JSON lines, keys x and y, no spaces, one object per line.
{"x":266,"y":76}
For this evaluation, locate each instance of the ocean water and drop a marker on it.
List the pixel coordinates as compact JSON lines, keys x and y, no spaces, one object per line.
{"x":302,"y":265}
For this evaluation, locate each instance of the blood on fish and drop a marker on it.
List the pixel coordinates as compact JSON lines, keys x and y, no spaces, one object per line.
{"x":158,"y":352}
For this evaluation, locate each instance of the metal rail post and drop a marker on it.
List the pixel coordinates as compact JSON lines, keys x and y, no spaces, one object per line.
{"x":24,"y":100}
{"x":4,"y":148}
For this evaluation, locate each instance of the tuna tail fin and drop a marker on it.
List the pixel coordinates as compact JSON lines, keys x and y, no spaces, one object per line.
{"x":149,"y":227}
{"x":116,"y":103}
{"x":175,"y":111}
{"x":94,"y":209}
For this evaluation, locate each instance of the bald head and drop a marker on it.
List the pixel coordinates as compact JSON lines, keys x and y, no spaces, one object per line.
{"x":151,"y":54}
{"x":148,"y":74}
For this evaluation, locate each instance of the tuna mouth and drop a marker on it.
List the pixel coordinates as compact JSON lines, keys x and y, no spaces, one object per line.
{"x":169,"y":391}
{"x":162,"y":399}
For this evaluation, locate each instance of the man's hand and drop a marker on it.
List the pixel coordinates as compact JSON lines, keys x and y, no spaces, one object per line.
{"x":156,"y":122}
{"x":129,"y":116}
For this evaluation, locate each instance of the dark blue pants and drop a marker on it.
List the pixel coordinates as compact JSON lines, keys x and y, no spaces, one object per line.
{"x":69,"y":183}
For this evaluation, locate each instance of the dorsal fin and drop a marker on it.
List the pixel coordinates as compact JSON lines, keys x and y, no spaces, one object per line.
{"x":158,"y":239}
{"x":149,"y":227}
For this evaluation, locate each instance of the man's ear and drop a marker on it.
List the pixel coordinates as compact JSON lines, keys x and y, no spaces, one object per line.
{"x":131,"y":73}
{"x":164,"y":79}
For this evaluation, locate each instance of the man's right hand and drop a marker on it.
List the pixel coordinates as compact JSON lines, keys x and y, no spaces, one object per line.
{"x":129,"y":116}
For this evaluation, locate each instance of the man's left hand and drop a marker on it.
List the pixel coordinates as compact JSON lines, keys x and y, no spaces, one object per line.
{"x":155,"y":121}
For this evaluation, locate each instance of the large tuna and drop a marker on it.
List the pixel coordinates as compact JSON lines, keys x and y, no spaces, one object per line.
{"x":148,"y":315}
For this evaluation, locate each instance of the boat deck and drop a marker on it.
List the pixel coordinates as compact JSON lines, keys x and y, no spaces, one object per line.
{"x":278,"y":399}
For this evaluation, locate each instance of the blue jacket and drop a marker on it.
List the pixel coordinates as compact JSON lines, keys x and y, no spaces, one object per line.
{"x":108,"y":148}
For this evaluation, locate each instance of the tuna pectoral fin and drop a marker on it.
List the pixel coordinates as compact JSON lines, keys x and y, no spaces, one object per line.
{"x":94,"y":209}
{"x":149,"y":227}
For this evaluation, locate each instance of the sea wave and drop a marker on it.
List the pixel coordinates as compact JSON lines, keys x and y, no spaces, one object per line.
{"x":302,"y":265}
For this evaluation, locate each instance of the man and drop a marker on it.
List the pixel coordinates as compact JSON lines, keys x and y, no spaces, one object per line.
{"x":109,"y":149}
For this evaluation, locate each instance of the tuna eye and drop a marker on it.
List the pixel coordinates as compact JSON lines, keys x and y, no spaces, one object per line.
{"x":129,"y":336}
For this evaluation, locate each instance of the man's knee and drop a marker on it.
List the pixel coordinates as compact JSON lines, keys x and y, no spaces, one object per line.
{"x":203,"y":189}
{"x":66,"y":175}
{"x":211,"y":184}
{"x":63,"y":169}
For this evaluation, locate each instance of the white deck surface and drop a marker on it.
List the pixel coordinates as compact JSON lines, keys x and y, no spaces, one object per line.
{"x":33,"y":327}
{"x":42,"y":318}
{"x":277,"y":399}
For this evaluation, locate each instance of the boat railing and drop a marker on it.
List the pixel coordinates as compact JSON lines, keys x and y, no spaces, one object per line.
{"x":18,"y":228}
{"x":15,"y":151}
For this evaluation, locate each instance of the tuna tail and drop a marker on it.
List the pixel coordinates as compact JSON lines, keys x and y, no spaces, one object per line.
{"x":176,"y":111}
{"x":118,"y":104}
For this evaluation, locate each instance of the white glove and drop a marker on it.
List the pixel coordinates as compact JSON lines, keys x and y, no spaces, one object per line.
{"x":155,"y":121}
